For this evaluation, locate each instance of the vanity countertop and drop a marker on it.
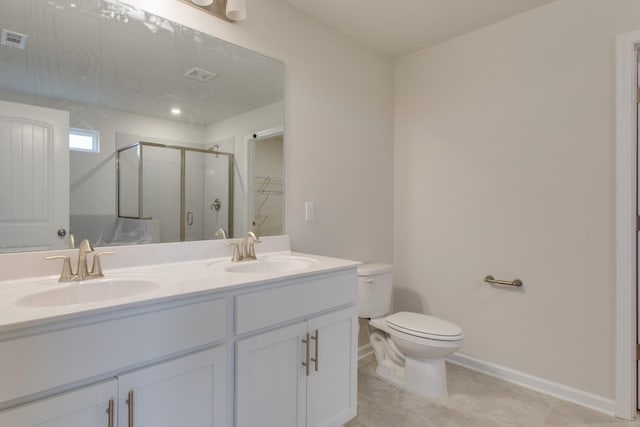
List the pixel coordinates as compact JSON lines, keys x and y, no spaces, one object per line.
{"x":171,"y":281}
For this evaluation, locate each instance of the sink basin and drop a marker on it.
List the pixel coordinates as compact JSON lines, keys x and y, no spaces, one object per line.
{"x":272,"y":264}
{"x":92,"y":291}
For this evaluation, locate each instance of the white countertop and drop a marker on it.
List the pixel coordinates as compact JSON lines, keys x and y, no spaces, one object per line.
{"x":176,"y":280}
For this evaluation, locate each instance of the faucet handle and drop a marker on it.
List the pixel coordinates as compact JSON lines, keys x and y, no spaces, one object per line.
{"x":85,"y":246}
{"x":96,"y":268}
{"x":67,"y":273}
{"x":221,"y":233}
{"x":70,"y":241}
{"x":251,"y":250}
{"x":236,"y":251}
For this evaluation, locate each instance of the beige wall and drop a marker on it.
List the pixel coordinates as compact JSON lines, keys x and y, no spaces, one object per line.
{"x":339,"y":125}
{"x":504,"y":146}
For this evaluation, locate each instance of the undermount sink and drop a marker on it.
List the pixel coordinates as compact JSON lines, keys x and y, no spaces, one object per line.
{"x":92,"y":291}
{"x":272,"y":264}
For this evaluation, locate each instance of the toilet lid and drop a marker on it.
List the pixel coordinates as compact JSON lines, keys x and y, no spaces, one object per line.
{"x":422,"y":325}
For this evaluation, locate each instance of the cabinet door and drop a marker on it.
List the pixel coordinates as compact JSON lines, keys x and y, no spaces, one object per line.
{"x":271,"y":381}
{"x":332,"y":384}
{"x":85,"y":407}
{"x":188,"y":391}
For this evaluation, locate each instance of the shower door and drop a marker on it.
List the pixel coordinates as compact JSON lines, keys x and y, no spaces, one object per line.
{"x":207,"y":202}
{"x":160,"y":189}
{"x":188,"y":192}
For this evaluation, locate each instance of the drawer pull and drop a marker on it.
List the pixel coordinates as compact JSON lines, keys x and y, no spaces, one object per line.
{"x":130,"y":403}
{"x":307,"y":355}
{"x":110,"y":411}
{"x":315,"y":360}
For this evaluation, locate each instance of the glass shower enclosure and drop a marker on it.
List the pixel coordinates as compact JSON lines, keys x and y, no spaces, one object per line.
{"x":186,"y":192}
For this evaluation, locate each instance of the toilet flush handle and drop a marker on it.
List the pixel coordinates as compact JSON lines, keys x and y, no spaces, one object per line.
{"x":368,"y":280}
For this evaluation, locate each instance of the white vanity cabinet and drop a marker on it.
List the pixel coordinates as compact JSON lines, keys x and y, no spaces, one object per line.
{"x":332,"y":380}
{"x":280,"y":351}
{"x":188,"y":391}
{"x":91,"y":406}
{"x":170,"y":358}
{"x":274,"y":387}
{"x":303,"y":373}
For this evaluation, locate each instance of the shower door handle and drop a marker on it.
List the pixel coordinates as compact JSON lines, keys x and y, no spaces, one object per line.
{"x":189,"y":218}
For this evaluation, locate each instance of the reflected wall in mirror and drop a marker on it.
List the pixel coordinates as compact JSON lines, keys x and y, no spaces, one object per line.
{"x":165,"y":119}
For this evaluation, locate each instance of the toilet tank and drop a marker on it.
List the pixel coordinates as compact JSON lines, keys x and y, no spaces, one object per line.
{"x":374,"y":290}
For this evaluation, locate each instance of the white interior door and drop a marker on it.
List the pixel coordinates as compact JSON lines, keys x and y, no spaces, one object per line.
{"x":34,"y":177}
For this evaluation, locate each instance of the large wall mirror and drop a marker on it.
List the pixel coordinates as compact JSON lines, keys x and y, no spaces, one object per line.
{"x":123,"y":127}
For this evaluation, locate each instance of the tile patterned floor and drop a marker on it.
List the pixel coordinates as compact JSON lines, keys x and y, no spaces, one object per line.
{"x":475,"y":400}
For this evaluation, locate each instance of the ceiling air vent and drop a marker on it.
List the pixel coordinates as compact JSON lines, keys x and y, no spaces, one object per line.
{"x":199,"y":74}
{"x":13,"y":39}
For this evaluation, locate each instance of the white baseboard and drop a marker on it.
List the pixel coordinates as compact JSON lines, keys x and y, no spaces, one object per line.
{"x":583,"y":398}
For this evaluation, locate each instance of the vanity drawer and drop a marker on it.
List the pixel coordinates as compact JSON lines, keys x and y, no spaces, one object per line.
{"x":257,"y":310}
{"x":40,"y":362}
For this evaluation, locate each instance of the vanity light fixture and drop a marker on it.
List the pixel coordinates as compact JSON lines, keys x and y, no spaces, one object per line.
{"x":236,"y":10}
{"x":176,"y":111}
{"x":228,"y":10}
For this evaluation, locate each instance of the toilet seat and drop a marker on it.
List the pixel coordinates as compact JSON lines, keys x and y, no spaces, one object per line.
{"x":423,"y":326}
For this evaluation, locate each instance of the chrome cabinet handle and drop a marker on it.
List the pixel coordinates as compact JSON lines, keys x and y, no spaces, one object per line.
{"x":307,"y":355}
{"x":189,"y":218}
{"x":130,"y":403}
{"x":110,"y":411}
{"x":316,"y":359}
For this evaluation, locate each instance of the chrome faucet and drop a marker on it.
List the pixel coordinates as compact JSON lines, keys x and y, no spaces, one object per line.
{"x":245,"y":250}
{"x":82,"y":272}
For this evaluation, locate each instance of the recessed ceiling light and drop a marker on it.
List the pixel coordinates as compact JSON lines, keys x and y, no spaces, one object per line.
{"x":176,"y":111}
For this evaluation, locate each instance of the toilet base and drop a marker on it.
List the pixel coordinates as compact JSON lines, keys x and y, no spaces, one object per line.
{"x":426,"y":377}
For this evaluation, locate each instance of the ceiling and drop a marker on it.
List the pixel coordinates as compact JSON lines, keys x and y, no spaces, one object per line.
{"x":110,"y":55}
{"x":402,"y":26}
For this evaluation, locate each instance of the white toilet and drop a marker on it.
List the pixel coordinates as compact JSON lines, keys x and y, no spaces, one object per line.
{"x":410,"y":348}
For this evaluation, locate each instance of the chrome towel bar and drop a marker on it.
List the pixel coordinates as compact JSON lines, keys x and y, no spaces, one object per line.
{"x":514,"y":282}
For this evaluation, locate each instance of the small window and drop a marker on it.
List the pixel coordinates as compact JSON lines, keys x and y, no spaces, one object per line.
{"x":84,"y":140}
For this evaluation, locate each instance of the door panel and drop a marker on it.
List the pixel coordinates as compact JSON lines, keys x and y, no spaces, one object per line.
{"x":161,"y":189}
{"x":270,"y":379}
{"x":332,"y":389}
{"x":34,"y":177}
{"x":86,"y":407}
{"x":188,"y":391}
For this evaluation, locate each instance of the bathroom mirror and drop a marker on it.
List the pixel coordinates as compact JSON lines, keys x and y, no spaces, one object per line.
{"x":165,"y":125}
